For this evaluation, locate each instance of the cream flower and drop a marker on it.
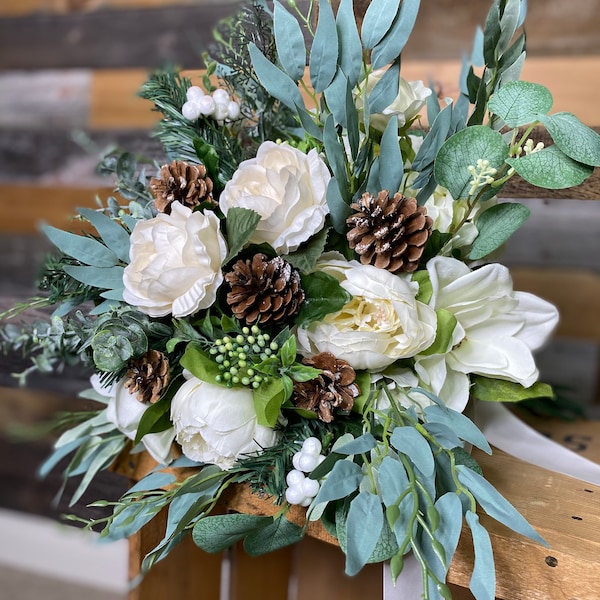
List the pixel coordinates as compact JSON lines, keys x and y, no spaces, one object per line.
{"x":217,"y":425}
{"x":125,"y":411}
{"x":287,"y":188}
{"x":411,"y":98}
{"x":381,"y":324}
{"x":175,"y":263}
{"x":497,"y":328}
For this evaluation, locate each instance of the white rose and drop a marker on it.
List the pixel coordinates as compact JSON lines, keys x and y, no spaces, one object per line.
{"x":125,"y":411}
{"x":497,"y":328}
{"x":287,"y":188}
{"x":175,"y":263}
{"x":217,"y":425}
{"x":381,"y":324}
{"x":411,"y":97}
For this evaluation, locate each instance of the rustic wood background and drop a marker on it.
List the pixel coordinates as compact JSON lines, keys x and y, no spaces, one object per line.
{"x":70,"y":69}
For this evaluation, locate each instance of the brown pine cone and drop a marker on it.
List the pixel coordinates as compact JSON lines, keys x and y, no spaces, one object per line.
{"x":334,"y":388}
{"x":389,"y":232}
{"x":148,"y":376}
{"x":264,"y":290}
{"x":183,"y":182}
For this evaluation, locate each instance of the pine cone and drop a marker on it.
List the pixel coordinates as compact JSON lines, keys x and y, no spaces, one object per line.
{"x":183,"y":182}
{"x":334,"y":388}
{"x":148,"y":376}
{"x":264,"y":290}
{"x":389,"y":233}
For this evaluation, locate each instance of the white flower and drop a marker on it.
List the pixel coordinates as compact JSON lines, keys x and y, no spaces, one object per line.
{"x":124,"y":410}
{"x":287,"y":188}
{"x":217,"y":425}
{"x":381,"y":324}
{"x":175,"y":263}
{"x":411,"y":97}
{"x":497,"y":328}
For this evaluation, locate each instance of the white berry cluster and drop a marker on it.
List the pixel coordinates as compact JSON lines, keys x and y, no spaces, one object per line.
{"x":301,"y":490}
{"x":217,"y":105}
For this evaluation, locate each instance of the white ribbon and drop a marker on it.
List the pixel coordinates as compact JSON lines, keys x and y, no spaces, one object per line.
{"x":508,"y":433}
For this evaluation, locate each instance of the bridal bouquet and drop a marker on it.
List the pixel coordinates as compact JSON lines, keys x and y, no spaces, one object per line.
{"x":301,"y":297}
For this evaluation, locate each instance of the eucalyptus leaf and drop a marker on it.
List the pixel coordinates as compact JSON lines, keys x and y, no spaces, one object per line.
{"x":483,"y":578}
{"x":391,"y":168}
{"x":550,"y":168}
{"x":491,"y":35}
{"x":499,"y":390}
{"x":520,"y":102}
{"x":153,"y":481}
{"x":335,"y":95}
{"x":433,"y":140}
{"x":495,"y":505}
{"x":449,"y":528}
{"x":336,"y":156}
{"x":276,"y":82}
{"x":496,"y":225}
{"x":393,"y":480}
{"x":509,"y":21}
{"x":215,"y":533}
{"x":575,"y":139}
{"x":276,"y":535}
{"x":84,"y":249}
{"x":363,"y":528}
{"x":385,"y":90}
{"x":464,"y":149}
{"x":377,"y":21}
{"x":114,"y":235}
{"x":459,"y":423}
{"x":289,"y":41}
{"x":343,"y":479}
{"x":241,"y":224}
{"x":360,"y":445}
{"x":108,"y":278}
{"x":392,"y":44}
{"x":410,"y":442}
{"x":350,"y":49}
{"x":324,"y":50}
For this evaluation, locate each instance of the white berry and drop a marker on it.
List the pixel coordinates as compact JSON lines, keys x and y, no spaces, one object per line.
{"x":309,"y":487}
{"x":194,"y":93}
{"x":220,"y":96}
{"x":233,"y":110}
{"x":294,"y":495}
{"x":306,"y":462}
{"x":312,"y":445}
{"x":190,"y":110}
{"x":207,"y":105}
{"x":295,"y":477}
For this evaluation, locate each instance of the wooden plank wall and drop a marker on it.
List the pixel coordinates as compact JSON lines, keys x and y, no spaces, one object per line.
{"x":70,"y":70}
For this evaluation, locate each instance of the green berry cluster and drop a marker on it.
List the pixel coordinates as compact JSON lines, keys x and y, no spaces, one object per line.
{"x":238,"y":355}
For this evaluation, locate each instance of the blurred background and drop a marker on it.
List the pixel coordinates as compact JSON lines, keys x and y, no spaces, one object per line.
{"x":69,"y":73}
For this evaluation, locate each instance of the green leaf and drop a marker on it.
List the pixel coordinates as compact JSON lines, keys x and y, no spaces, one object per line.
{"x":550,"y":168}
{"x":323,"y":295}
{"x":277,"y":534}
{"x":483,"y":578}
{"x":288,"y":352}
{"x":575,"y":139}
{"x":350,"y":58}
{"x":496,"y":505}
{"x":464,"y":149}
{"x":324,"y":50}
{"x":215,"y":533}
{"x":410,"y":442}
{"x":425,"y":286}
{"x":520,"y":102}
{"x":302,"y":373}
{"x":84,"y":249}
{"x":385,"y":90}
{"x":241,"y":224}
{"x":391,"y":168}
{"x":305,"y":258}
{"x":268,"y":400}
{"x":499,"y":390}
{"x":108,"y":278}
{"x":393,"y":42}
{"x":200,"y":364}
{"x":446,"y":322}
{"x":377,"y":21}
{"x":208,"y":156}
{"x":276,"y":82}
{"x":363,"y":528}
{"x":363,"y":381}
{"x":289,"y":40}
{"x":462,"y":457}
{"x":496,"y":225}
{"x":156,"y":418}
{"x":113,"y":234}
{"x":343,"y":479}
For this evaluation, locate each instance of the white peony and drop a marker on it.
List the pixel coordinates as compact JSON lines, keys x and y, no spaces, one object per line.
{"x":217,"y":425}
{"x":125,"y":411}
{"x":411,"y":98}
{"x":381,"y":324}
{"x":497,"y":328}
{"x":175,"y":263}
{"x":287,"y":188}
